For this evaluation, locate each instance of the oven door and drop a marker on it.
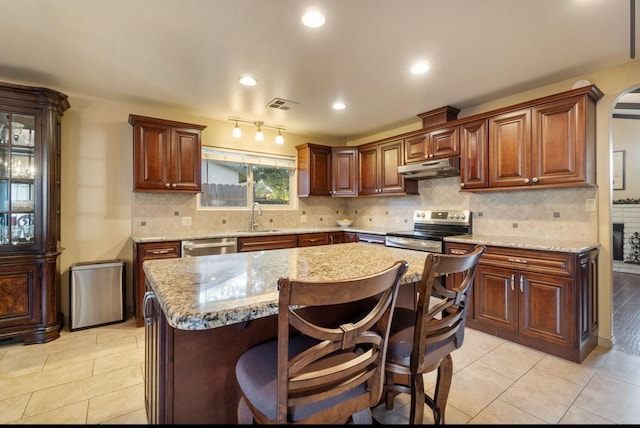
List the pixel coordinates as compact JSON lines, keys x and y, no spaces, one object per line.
{"x":430,"y":245}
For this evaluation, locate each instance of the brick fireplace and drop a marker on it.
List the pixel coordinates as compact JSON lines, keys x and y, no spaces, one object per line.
{"x":626,"y":223}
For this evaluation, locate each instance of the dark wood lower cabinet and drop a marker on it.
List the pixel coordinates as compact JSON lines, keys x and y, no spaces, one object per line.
{"x":141,"y":253}
{"x":30,"y":298}
{"x":541,"y":299}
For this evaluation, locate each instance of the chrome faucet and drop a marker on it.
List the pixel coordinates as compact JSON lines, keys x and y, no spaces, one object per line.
{"x":254,"y":225}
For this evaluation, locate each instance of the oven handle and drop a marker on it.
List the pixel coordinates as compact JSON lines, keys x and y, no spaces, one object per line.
{"x":414,"y":244}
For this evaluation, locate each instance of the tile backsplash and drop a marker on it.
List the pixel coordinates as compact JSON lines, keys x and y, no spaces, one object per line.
{"x":541,"y":213}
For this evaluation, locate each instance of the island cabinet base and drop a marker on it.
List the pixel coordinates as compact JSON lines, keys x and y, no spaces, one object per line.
{"x":190,"y":374}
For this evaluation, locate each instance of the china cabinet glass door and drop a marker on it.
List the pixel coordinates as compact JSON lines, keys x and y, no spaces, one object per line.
{"x":18,"y":169}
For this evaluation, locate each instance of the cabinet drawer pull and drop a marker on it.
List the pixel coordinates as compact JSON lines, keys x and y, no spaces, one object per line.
{"x":520,"y":261}
{"x":156,"y":252}
{"x":457,"y":251}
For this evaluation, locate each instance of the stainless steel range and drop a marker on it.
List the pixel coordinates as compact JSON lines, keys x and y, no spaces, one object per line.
{"x":429,"y":230}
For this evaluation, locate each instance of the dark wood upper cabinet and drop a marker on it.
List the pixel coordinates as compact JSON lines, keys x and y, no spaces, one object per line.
{"x":167,"y":155}
{"x":563,"y":150}
{"x":314,"y":170}
{"x":344,"y":176}
{"x":510,"y":149}
{"x":549,"y":142}
{"x":378,"y":170}
{"x":436,"y":144}
{"x":474,"y":157}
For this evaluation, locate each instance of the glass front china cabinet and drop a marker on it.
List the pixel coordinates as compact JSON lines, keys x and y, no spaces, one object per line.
{"x":30,"y":120}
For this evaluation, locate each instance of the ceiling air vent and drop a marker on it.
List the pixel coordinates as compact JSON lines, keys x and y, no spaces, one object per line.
{"x":281,"y":104}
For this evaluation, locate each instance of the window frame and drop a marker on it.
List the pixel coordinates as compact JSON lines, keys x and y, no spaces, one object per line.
{"x":252,"y":159}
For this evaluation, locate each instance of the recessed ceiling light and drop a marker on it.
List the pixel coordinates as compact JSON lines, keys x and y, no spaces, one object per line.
{"x":420,"y":67}
{"x":313,"y":18}
{"x":247,"y":81}
{"x":339,"y":105}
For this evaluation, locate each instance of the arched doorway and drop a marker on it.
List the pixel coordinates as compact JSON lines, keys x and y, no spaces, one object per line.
{"x":625,"y":216}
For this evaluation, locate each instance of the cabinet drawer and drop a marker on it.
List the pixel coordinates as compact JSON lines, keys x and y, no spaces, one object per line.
{"x":159,"y":250}
{"x":526,"y":260}
{"x":538,"y":261}
{"x":311,"y":239}
{"x":260,"y":243}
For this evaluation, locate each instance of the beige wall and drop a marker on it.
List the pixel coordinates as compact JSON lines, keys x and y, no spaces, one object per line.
{"x":99,"y":210}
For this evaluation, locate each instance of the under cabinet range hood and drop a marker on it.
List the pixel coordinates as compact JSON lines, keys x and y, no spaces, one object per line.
{"x":448,"y":167}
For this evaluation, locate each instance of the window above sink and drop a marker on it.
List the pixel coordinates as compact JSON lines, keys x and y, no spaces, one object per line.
{"x":234,"y":179}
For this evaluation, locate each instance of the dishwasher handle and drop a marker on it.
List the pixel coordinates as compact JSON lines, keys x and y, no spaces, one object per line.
{"x":187,"y":246}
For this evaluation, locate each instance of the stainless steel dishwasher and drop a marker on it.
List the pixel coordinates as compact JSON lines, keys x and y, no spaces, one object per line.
{"x":209,"y":246}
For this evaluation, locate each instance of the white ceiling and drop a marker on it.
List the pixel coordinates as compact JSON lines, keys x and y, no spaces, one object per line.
{"x":188,"y":54}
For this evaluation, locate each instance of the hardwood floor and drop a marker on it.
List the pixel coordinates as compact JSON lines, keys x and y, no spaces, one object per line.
{"x":626,"y":312}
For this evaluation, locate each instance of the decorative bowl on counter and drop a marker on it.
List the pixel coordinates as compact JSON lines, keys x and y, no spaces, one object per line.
{"x":345,"y":222}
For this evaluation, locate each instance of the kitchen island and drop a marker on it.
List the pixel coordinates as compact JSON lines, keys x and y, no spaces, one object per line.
{"x":202,"y":313}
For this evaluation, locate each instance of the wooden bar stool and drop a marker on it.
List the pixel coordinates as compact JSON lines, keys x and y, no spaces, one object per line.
{"x":422,"y":340}
{"x":321,"y":374}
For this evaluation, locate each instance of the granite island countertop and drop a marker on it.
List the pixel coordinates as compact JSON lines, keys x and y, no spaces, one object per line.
{"x":199,"y":293}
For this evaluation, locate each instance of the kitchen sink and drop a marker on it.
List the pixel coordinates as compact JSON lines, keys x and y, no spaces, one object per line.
{"x":258,"y":230}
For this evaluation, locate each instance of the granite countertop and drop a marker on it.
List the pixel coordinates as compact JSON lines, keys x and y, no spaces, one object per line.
{"x":199,"y":293}
{"x":174,"y":236}
{"x":544,"y":244}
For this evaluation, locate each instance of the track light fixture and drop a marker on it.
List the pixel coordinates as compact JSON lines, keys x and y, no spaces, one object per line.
{"x":259,"y":134}
{"x":237,"y":132}
{"x":279,"y":138}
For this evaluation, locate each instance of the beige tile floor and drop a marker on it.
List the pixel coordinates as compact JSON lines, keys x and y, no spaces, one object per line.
{"x":95,"y":376}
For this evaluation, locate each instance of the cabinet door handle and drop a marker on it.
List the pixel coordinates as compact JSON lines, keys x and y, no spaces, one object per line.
{"x":521,"y":281}
{"x":526,"y":181}
{"x":167,"y":185}
{"x":148,"y":296}
{"x":174,"y":185}
{"x":513,"y":278}
{"x":534,"y":179}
